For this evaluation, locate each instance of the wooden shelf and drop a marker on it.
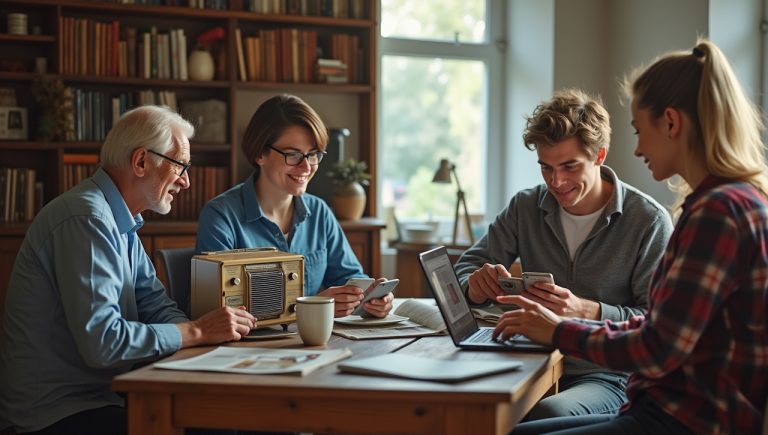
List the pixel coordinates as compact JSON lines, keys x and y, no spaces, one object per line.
{"x":305,"y":87}
{"x":146,"y":83}
{"x":42,"y":39}
{"x":47,"y":157}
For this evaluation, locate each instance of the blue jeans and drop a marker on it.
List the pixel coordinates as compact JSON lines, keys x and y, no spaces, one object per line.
{"x":644,"y":417}
{"x":595,"y":393}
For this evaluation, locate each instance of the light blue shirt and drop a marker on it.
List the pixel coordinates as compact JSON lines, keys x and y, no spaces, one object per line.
{"x":83,"y":305}
{"x":235,"y":220}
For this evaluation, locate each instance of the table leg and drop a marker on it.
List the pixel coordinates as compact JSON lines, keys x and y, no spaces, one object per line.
{"x":151,"y":414}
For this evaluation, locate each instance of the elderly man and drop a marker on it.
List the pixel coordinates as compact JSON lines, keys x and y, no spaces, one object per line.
{"x":83,"y":302}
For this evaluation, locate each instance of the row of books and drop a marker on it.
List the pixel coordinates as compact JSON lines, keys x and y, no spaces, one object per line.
{"x":199,"y":4}
{"x":291,"y":56}
{"x":104,"y":49}
{"x":93,"y":113}
{"x":21,"y":195}
{"x":324,"y":8}
{"x":78,"y":167}
{"x":206,"y":182}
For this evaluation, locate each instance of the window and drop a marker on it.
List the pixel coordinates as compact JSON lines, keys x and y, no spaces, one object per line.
{"x":438,"y":63}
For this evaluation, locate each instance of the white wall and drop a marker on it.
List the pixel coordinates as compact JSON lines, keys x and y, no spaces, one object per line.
{"x":595,"y":43}
{"x":530,"y":77}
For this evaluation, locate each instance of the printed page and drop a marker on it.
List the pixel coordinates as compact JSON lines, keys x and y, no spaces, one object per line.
{"x":254,"y":360}
{"x":422,"y":313}
{"x":489,"y":314}
{"x":425,"y":320}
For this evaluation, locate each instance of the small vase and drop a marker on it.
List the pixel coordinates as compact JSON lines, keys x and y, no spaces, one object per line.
{"x":348,"y":202}
{"x":200,"y":66}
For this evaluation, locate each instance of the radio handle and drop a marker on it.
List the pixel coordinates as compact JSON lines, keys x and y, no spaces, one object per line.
{"x":239,"y":250}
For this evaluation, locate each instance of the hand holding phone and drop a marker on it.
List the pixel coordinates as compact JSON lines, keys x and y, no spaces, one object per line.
{"x":361,"y":283}
{"x":381,"y":290}
{"x":530,"y":278}
{"x":511,"y":286}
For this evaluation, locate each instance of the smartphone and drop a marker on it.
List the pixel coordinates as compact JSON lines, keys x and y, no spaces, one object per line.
{"x":362,"y":283}
{"x":377,"y":292}
{"x":529,"y":278}
{"x":511,"y":286}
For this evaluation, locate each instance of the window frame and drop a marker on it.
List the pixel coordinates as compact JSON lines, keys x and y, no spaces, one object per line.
{"x":492,"y":53}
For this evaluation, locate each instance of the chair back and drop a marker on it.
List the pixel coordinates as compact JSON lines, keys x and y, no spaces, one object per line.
{"x":177,"y":264}
{"x":765,"y":419}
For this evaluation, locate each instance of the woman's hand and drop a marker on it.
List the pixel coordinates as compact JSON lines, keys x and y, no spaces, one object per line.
{"x":532,"y":320}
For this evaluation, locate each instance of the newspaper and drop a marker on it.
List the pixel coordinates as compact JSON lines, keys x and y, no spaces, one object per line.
{"x":259,"y":361}
{"x":492,"y":313}
{"x":424,"y":320}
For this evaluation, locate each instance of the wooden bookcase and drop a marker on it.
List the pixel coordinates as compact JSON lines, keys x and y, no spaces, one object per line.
{"x":49,"y":39}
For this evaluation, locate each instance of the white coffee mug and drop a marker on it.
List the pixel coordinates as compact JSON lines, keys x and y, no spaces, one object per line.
{"x":314,"y":318}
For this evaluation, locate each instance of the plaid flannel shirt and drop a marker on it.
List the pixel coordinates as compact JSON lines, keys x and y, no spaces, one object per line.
{"x":701,"y":353}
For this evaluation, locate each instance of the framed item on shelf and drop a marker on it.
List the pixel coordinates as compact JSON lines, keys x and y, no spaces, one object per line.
{"x":13,"y":123}
{"x":209,"y":118}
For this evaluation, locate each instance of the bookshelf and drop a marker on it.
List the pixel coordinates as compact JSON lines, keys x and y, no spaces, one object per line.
{"x":104,"y":79}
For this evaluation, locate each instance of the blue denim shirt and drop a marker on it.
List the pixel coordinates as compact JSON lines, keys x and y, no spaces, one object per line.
{"x":235,"y":220}
{"x":83,"y":305}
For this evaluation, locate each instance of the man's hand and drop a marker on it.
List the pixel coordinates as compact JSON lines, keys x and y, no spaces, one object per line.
{"x":484,"y":283}
{"x":562,"y":302}
{"x":532,"y":320}
{"x":218,"y":326}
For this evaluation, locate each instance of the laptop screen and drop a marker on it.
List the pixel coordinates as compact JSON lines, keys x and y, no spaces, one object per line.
{"x":448,"y":294}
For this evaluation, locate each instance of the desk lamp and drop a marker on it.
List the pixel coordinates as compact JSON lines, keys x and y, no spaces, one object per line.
{"x":443,"y":175}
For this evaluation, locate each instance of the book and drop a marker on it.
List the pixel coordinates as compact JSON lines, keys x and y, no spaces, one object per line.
{"x":240,"y":56}
{"x":427,"y":369}
{"x":259,"y":361}
{"x":423,"y":320}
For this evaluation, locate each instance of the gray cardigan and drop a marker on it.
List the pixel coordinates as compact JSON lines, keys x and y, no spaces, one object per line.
{"x":613,"y":266}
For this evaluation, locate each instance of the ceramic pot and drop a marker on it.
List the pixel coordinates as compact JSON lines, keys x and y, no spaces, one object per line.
{"x":348,"y":201}
{"x":200,"y":66}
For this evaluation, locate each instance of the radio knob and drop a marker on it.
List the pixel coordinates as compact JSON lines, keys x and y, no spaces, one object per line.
{"x":292,"y":308}
{"x":235,"y":281}
{"x":293,"y":276}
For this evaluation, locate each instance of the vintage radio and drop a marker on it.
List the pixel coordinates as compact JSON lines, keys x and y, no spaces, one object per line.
{"x":264,"y":280}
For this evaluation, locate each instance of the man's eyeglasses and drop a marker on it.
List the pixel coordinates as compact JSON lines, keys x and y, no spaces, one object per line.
{"x":294,"y":158}
{"x":184,"y":166}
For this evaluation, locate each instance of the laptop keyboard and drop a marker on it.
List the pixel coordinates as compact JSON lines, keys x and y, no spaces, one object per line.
{"x":486,"y":336}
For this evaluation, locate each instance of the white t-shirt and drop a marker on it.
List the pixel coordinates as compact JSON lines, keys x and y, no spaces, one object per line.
{"x":577,"y":228}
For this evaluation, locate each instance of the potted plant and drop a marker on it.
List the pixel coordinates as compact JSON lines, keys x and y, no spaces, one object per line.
{"x":55,"y":105}
{"x":348,"y":199}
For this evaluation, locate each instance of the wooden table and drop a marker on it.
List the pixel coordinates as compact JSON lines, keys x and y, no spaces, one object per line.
{"x":327,"y":401}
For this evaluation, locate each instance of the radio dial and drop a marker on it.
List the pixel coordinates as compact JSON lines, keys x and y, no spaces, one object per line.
{"x":293,"y":276}
{"x":235,"y":281}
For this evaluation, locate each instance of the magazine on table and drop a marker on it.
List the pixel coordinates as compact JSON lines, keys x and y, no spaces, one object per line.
{"x":412,"y":318}
{"x":259,"y":361}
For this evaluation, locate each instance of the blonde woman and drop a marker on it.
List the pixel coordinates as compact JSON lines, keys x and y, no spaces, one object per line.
{"x":700,"y":356}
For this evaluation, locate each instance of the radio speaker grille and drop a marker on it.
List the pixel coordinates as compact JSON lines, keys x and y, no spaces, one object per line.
{"x":266,"y":293}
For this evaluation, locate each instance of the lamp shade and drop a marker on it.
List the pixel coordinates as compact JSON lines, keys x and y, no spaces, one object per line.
{"x":443,"y":173}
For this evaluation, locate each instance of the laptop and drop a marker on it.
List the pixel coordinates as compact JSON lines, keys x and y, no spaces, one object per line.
{"x":462,"y":326}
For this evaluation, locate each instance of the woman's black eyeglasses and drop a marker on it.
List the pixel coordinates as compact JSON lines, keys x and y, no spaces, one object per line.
{"x":184,"y":166}
{"x":294,"y":158}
